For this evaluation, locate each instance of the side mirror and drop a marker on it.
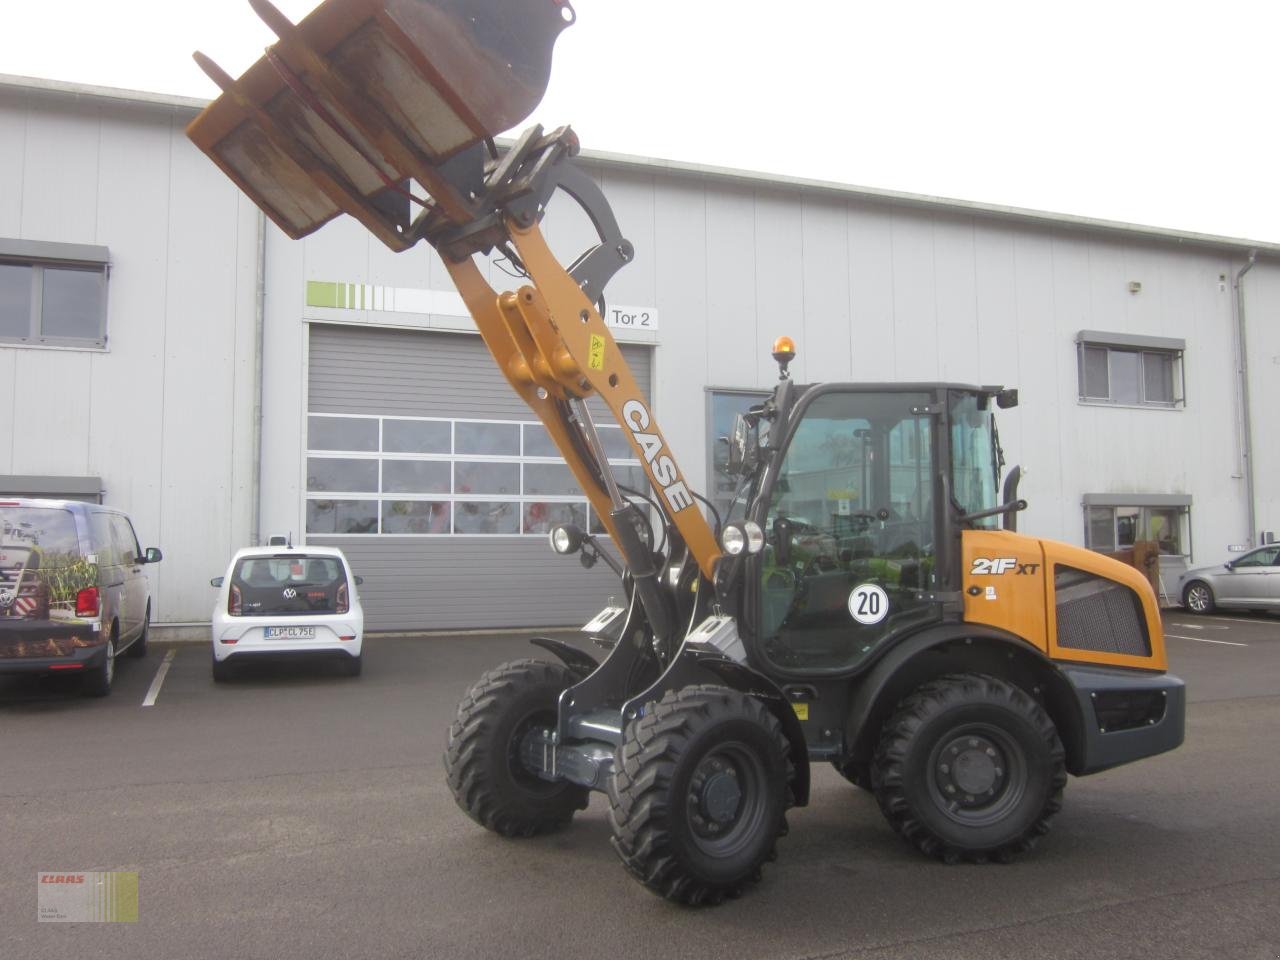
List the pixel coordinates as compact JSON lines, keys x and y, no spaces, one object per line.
{"x":782,"y":541}
{"x":216,"y":582}
{"x":153,"y":555}
{"x":1230,"y":564}
{"x":359,"y":580}
{"x":744,"y":447}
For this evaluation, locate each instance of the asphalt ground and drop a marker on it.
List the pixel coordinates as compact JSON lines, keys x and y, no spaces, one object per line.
{"x":298,"y":813}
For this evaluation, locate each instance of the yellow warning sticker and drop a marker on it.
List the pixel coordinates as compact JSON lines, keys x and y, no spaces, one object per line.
{"x":802,"y":710}
{"x":595,"y":358}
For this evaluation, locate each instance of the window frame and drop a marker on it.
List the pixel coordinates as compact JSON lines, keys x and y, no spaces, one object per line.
{"x":1166,"y":349}
{"x":519,"y":499}
{"x":1140,"y":508}
{"x":751,"y":396}
{"x":41,"y":257}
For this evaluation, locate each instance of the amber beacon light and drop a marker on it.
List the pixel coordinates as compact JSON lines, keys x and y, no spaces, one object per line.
{"x":784,"y":351}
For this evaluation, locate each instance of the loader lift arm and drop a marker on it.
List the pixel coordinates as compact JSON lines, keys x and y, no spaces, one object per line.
{"x":365,"y":104}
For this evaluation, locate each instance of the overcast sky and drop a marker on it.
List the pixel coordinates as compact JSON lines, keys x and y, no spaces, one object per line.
{"x":1156,"y":113}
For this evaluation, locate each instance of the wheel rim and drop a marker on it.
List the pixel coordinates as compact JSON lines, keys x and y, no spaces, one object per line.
{"x":1198,"y":598}
{"x":725,"y":803}
{"x":977,"y":774}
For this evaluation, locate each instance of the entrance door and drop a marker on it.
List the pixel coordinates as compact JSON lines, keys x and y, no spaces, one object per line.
{"x":851,"y":531}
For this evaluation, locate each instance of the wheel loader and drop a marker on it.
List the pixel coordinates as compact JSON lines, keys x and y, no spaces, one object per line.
{"x":866,"y":601}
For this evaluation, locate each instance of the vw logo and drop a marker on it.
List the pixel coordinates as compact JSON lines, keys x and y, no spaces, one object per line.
{"x":6,"y":599}
{"x":290,"y":593}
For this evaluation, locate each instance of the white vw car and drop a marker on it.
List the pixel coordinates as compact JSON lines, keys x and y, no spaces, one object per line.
{"x":285,"y":601}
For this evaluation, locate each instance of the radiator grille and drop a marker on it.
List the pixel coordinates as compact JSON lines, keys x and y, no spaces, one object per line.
{"x":1098,"y":614}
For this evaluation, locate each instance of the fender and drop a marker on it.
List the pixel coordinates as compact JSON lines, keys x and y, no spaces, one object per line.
{"x":875,"y":694}
{"x":699,"y":666}
{"x":581,"y":664}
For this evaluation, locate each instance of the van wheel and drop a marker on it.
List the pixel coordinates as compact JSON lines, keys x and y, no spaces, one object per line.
{"x":138,"y":649}
{"x":970,"y":768}
{"x":98,"y":682}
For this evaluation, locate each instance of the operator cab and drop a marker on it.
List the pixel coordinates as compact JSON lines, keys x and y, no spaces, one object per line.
{"x":859,"y":489}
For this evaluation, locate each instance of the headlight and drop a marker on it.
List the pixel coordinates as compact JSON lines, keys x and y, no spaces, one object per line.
{"x":739,"y":538}
{"x":566,"y":538}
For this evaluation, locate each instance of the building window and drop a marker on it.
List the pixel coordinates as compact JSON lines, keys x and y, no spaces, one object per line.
{"x":723,"y":406}
{"x":421,"y":476}
{"x":53,"y":294}
{"x":1130,"y":371}
{"x":1115,"y":523}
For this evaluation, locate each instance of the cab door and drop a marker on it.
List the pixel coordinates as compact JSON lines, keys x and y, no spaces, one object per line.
{"x":850,"y":531}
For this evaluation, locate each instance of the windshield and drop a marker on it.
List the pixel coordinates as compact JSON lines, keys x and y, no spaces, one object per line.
{"x":288,"y":584}
{"x":974,"y":460}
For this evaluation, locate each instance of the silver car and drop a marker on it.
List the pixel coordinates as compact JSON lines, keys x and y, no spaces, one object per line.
{"x":1251,"y":580}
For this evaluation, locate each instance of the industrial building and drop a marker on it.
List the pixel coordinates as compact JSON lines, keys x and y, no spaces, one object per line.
{"x":165,"y":349}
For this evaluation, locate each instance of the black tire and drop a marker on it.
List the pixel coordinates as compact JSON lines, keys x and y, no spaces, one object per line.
{"x":970,"y":768}
{"x":857,"y":773}
{"x":138,"y":649}
{"x":699,"y":794}
{"x":97,"y":683}
{"x":352,"y":666}
{"x":223,"y":670}
{"x":482,"y":760}
{"x":1198,"y":597}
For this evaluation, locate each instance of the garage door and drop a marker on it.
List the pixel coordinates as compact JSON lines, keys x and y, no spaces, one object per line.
{"x":440,"y":485}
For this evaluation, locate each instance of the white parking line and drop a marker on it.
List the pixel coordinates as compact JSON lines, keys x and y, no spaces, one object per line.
{"x":1225,"y":643}
{"x":1200,"y":626}
{"x":150,"y":699}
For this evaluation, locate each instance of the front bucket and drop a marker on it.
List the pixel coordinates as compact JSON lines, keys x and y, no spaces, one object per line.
{"x":364,"y":95}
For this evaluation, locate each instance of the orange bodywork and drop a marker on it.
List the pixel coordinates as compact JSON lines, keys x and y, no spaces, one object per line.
{"x":1008,"y":583}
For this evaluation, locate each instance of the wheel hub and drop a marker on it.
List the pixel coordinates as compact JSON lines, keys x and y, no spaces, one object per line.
{"x":971,"y":770}
{"x":715,"y":796}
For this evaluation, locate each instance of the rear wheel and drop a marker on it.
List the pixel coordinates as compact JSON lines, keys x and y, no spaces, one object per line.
{"x":482,"y":760}
{"x":98,"y":682}
{"x":1198,"y":597}
{"x":352,"y":666}
{"x":699,"y":793}
{"x":970,"y":768}
{"x":222,"y":670}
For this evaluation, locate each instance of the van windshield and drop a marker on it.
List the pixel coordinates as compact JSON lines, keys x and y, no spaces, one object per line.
{"x":286,"y":584}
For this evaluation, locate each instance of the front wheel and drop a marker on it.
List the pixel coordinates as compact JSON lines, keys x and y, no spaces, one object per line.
{"x":482,"y":761}
{"x":970,"y":768}
{"x":700,"y":787}
{"x":138,"y":648}
{"x":1198,"y":597}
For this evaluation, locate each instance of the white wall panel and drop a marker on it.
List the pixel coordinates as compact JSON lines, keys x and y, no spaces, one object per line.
{"x":956,"y":300}
{"x":732,"y":332}
{"x":824,"y":322}
{"x":873,"y":333}
{"x":13,"y":165}
{"x":680,"y":368}
{"x":779,"y":281}
{"x":915,"y":317}
{"x":60,"y":181}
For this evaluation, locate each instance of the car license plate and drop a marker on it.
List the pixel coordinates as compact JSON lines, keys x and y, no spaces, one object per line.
{"x":290,"y":633}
